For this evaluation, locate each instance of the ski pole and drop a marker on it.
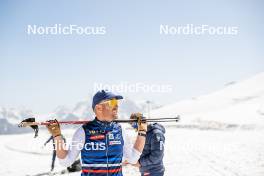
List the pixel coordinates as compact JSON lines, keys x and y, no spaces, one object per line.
{"x":30,"y":122}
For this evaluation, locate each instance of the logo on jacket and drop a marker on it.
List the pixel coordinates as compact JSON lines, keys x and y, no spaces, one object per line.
{"x":114,"y":142}
{"x":111,"y":136}
{"x":97,"y":137}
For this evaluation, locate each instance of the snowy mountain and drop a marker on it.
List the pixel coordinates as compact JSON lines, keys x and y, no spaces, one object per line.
{"x":148,"y":105}
{"x":10,"y":117}
{"x":239,"y":103}
{"x":14,"y":115}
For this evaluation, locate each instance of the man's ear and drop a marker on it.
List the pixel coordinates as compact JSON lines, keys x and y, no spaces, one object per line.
{"x":98,"y":108}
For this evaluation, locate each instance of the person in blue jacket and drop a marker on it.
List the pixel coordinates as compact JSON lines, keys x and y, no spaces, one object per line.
{"x":101,"y":142}
{"x":150,"y":162}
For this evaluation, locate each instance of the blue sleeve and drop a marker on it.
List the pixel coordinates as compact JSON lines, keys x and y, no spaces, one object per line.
{"x":157,"y":150}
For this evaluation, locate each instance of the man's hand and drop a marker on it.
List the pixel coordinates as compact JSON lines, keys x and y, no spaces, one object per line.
{"x":54,"y":128}
{"x":142,"y":125}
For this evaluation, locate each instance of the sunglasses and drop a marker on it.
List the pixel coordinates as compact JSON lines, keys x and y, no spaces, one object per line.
{"x":112,"y":102}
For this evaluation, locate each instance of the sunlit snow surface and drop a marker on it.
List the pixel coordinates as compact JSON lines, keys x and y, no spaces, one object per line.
{"x":189,"y":152}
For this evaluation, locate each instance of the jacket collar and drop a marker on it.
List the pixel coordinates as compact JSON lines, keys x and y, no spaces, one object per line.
{"x":104,"y":124}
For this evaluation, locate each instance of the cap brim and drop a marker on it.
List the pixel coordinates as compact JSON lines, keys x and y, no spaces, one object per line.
{"x":113,"y":96}
{"x":118,"y":97}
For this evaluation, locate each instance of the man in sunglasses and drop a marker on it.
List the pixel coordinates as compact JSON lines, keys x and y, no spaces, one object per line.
{"x":101,"y":142}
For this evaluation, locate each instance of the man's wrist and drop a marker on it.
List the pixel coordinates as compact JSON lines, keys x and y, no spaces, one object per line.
{"x":56,"y":136}
{"x":141,"y":133}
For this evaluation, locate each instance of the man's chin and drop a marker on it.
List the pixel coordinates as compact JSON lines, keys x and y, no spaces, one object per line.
{"x":115,"y":115}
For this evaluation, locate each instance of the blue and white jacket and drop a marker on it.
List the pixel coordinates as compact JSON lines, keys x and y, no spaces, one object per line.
{"x":102,"y":146}
{"x":103,"y":149}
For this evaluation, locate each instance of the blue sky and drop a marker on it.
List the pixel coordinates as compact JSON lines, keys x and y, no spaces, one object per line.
{"x":42,"y":72}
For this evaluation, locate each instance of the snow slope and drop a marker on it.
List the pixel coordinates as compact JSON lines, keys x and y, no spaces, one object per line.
{"x":238,"y":103}
{"x":187,"y":153}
